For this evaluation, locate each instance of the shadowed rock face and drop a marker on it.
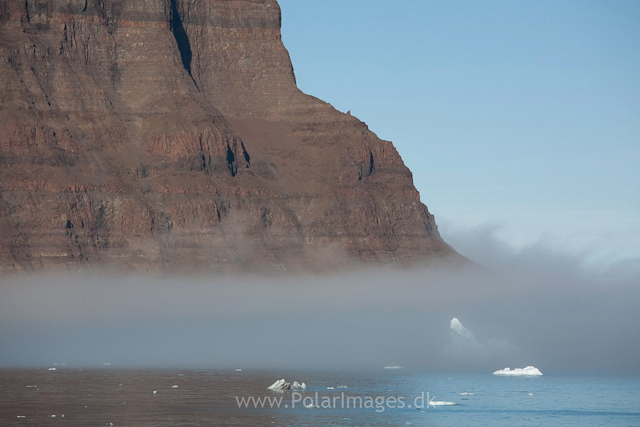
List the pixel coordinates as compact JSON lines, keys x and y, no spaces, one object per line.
{"x":160,"y":135}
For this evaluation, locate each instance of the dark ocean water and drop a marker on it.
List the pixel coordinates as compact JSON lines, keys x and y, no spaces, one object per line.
{"x":389,"y":397}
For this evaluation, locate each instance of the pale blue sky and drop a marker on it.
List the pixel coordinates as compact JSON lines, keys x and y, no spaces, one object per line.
{"x":521,"y":114}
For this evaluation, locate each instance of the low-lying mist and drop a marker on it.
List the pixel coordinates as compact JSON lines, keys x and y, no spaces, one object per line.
{"x":550,"y":316}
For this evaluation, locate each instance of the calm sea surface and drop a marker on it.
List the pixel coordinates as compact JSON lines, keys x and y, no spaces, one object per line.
{"x":389,"y":397}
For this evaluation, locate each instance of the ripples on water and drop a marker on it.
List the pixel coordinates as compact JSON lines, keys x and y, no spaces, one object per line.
{"x":208,"y":398}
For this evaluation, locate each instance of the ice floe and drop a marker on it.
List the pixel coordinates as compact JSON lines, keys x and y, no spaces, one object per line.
{"x":433,"y":402}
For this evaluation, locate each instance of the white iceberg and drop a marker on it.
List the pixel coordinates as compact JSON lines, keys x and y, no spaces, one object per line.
{"x":460,"y":333}
{"x":283,"y":385}
{"x":526,"y":372}
{"x":277,"y":385}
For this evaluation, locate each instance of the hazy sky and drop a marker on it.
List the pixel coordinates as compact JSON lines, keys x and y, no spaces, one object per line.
{"x":519,"y":115}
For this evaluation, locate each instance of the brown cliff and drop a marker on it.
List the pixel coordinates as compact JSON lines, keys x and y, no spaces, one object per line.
{"x":156,"y":135}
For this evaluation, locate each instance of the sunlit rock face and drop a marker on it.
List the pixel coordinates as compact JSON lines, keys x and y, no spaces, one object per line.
{"x":162,"y":135}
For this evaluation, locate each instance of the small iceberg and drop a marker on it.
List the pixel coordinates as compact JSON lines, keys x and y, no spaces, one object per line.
{"x":440,"y":402}
{"x":175,"y":386}
{"x":393,"y":367}
{"x":283,"y":385}
{"x":526,"y":372}
{"x":52,"y":369}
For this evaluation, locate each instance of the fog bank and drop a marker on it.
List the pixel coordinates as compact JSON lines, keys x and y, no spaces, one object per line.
{"x":557,"y":322}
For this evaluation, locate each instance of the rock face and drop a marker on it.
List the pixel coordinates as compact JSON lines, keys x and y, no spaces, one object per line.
{"x":159,"y":135}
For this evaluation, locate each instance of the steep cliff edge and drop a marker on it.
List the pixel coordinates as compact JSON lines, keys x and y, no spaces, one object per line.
{"x":156,"y":135}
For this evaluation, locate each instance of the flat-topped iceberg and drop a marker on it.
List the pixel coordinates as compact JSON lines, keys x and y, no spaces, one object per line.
{"x":528,"y":371}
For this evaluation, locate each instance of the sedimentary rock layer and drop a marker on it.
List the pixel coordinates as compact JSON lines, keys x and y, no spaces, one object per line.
{"x":157,"y":135}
